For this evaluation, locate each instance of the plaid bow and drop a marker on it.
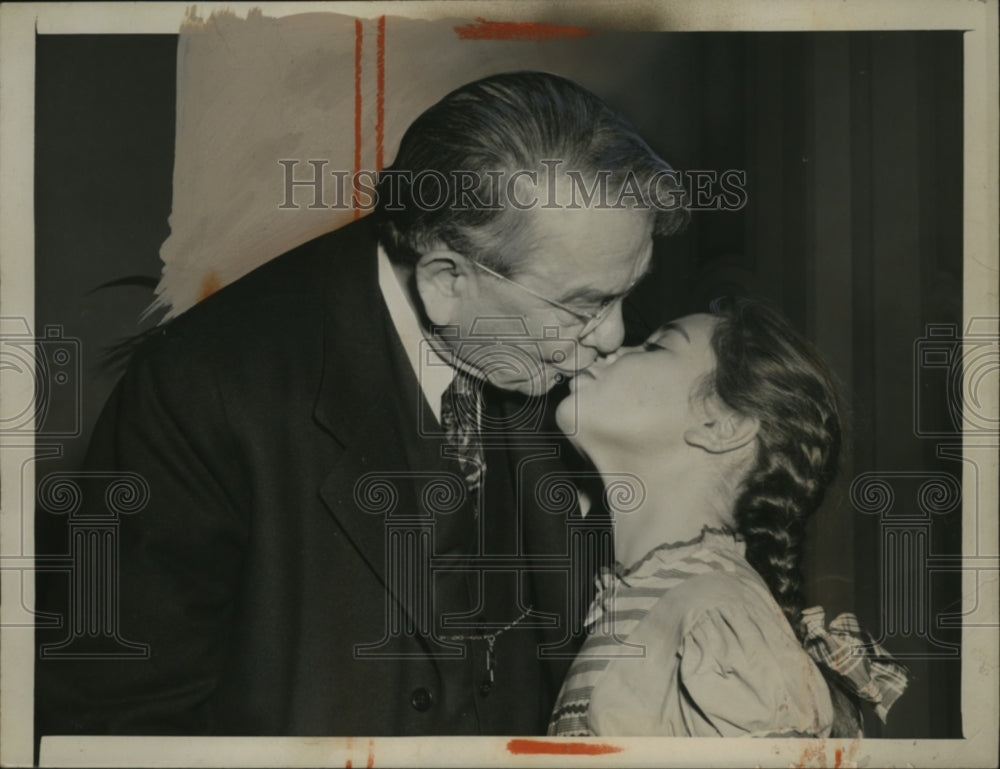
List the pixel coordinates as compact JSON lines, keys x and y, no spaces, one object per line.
{"x":863,"y":665}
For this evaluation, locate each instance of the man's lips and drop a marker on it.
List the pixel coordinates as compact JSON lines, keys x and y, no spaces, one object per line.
{"x":587,"y":373}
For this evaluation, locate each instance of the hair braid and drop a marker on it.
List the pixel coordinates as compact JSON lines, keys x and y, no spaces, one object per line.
{"x":766,"y":370}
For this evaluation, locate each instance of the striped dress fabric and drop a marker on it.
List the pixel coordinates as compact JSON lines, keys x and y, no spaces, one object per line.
{"x":653,"y":700}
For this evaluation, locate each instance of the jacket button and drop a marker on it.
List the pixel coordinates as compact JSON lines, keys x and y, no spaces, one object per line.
{"x":421,"y":699}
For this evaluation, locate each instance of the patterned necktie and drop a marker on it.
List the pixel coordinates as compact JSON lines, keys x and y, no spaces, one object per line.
{"x":461,"y":406}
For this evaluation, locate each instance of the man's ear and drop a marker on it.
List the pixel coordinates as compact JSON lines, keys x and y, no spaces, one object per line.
{"x":444,"y":281}
{"x":720,"y":429}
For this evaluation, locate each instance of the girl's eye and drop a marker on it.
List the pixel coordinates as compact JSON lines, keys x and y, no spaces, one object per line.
{"x":650,"y":346}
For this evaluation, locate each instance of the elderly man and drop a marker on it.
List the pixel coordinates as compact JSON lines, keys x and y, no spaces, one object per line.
{"x":347,"y":530}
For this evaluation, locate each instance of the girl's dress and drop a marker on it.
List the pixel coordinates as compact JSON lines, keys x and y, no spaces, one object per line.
{"x":690,"y":642}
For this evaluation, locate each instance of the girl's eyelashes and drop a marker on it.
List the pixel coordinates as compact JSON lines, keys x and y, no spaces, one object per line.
{"x":650,"y":346}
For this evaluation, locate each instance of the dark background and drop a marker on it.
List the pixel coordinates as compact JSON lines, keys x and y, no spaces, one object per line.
{"x":852,"y":146}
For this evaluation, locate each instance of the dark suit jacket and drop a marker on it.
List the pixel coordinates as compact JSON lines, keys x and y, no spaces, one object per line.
{"x":255,"y":572}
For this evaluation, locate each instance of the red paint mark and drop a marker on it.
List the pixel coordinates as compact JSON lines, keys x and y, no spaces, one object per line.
{"x":814,"y":755}
{"x":838,"y":755}
{"x":371,"y":754}
{"x":380,"y":93}
{"x":524,"y":747}
{"x":359,"y":34}
{"x":349,"y":764}
{"x":210,"y":283}
{"x":518,"y":30}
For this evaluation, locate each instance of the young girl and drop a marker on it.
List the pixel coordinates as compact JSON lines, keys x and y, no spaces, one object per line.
{"x":730,"y":422}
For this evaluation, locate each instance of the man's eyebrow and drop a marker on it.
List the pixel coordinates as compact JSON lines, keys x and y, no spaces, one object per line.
{"x":588,"y":294}
{"x":672,"y":326}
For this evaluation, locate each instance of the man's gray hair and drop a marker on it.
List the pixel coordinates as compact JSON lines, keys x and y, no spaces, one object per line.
{"x":451,"y":181}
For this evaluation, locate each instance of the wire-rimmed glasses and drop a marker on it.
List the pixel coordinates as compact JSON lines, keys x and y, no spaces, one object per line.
{"x":591,"y":319}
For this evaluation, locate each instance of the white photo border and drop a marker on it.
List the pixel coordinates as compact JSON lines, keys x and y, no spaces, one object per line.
{"x":19,"y":24}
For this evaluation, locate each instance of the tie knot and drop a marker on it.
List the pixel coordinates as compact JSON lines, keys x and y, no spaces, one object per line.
{"x":461,"y":403}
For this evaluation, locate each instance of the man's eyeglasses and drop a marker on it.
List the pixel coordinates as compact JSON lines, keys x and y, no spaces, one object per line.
{"x":591,"y":320}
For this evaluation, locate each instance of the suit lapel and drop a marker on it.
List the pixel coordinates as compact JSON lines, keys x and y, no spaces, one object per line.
{"x":369,"y":400}
{"x":367,"y":395}
{"x":545,"y":466}
{"x":358,"y":390}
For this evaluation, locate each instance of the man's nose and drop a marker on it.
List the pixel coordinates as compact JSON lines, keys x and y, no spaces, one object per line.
{"x":609,"y":334}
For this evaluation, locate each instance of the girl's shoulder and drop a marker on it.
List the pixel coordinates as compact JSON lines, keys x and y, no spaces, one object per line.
{"x":718,"y":658}
{"x":716,"y":581}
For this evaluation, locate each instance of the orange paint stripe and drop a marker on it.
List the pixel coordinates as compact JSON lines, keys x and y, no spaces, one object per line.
{"x":380,"y":93}
{"x":210,"y":283}
{"x":358,"y":38}
{"x":523,"y":747}
{"x":518,"y":30}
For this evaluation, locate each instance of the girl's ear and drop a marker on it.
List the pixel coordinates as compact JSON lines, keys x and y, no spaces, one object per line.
{"x":720,"y":429}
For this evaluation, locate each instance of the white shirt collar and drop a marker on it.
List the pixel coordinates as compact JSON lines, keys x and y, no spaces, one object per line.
{"x":433,"y":372}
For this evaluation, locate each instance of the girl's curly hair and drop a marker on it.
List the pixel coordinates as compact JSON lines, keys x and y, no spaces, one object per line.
{"x":765,"y":369}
